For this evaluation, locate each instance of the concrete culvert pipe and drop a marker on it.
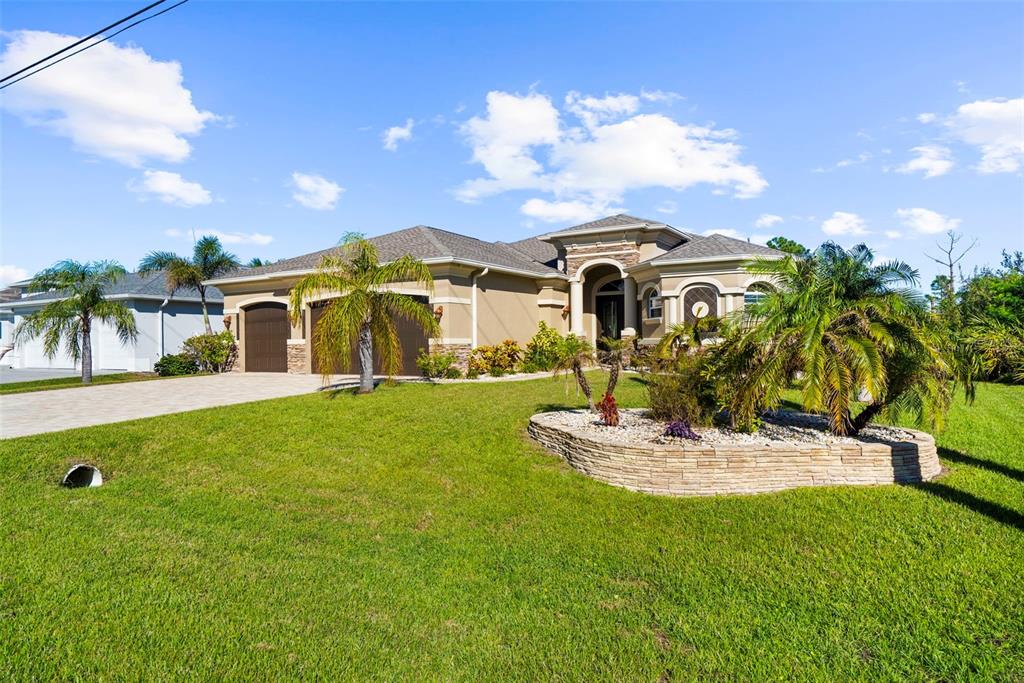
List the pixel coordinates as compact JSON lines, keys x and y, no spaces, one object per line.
{"x":82,"y":475}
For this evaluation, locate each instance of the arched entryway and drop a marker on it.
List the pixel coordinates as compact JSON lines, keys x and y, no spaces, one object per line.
{"x":266,"y":337}
{"x":610,"y":309}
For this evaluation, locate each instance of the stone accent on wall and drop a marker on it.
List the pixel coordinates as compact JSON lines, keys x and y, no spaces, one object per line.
{"x":628,"y":254}
{"x":462,"y":352}
{"x":703,"y":470}
{"x":297,"y":358}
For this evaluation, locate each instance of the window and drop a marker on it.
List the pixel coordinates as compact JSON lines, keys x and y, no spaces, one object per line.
{"x":653,"y":304}
{"x":755,"y":293}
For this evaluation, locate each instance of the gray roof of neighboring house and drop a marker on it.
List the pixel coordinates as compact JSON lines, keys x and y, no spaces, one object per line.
{"x":133,"y":285}
{"x":701,"y":248}
{"x":423,"y":242}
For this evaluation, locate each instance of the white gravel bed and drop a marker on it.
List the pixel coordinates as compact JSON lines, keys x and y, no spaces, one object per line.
{"x":636,"y":427}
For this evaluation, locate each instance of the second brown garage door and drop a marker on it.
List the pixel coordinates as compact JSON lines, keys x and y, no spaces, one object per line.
{"x":266,"y":337}
{"x":409,"y":333}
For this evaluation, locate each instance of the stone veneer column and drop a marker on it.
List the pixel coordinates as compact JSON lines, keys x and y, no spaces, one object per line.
{"x":297,"y":356}
{"x":462,"y":352}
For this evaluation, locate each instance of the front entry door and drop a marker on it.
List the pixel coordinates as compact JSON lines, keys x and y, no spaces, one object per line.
{"x":610,"y":315}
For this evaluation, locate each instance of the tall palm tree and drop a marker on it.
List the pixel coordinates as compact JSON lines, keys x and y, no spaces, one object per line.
{"x":68,"y":321}
{"x":851,"y":327}
{"x":208,"y":261}
{"x":574,"y":354}
{"x":363,"y":314}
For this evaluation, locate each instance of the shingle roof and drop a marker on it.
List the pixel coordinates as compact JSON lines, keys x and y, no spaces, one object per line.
{"x":537,"y":250}
{"x":609,"y":222}
{"x":153,"y":285}
{"x":423,"y":242}
{"x":712,"y":246}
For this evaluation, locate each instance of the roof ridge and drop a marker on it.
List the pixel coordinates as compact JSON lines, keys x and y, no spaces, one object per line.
{"x":428,"y":232}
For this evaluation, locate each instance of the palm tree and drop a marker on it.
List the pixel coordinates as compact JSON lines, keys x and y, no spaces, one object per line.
{"x":68,"y":320}
{"x":612,"y":354}
{"x":208,"y":261}
{"x":687,"y":336}
{"x":363,"y":315}
{"x":851,"y":327}
{"x":574,"y":354}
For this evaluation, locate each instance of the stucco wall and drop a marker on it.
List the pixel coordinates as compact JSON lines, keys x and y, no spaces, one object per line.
{"x":702,"y":470}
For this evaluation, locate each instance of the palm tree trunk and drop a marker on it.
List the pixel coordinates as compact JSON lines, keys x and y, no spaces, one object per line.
{"x":865,"y":416}
{"x":365,"y":346}
{"x":86,"y":351}
{"x":206,"y":316}
{"x":581,"y":379}
{"x":613,"y":377}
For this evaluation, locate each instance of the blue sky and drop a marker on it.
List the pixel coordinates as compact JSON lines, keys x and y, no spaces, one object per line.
{"x":884,"y":123}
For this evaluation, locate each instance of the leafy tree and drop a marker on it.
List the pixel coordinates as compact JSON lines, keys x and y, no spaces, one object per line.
{"x":687,"y":336}
{"x":208,"y":261}
{"x":789,"y":246}
{"x":851,"y":327}
{"x":363,"y":315}
{"x":68,"y":321}
{"x":256,"y":262}
{"x":576,"y":353}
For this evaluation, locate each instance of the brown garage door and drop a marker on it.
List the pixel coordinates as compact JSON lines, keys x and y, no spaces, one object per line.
{"x":266,"y":337}
{"x":409,"y":333}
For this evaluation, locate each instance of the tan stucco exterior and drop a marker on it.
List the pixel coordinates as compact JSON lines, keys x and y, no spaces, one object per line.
{"x":480,"y":305}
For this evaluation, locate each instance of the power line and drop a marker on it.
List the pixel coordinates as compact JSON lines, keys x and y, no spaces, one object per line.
{"x":102,"y":40}
{"x":76,"y":44}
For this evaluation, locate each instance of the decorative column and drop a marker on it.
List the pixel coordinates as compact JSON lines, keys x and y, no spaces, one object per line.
{"x":629,"y":294}
{"x":668,"y":310}
{"x":576,"y":307}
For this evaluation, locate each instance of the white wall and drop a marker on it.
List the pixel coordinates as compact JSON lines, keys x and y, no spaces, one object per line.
{"x":180,"y":320}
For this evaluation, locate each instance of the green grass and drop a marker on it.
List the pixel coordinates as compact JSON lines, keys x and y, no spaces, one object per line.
{"x":417,"y":534}
{"x":70,"y":382}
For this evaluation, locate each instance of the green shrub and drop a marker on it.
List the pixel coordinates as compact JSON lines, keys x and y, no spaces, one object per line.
{"x":542,"y":350}
{"x":211,"y":352}
{"x":174,"y":364}
{"x":495,"y":360}
{"x":683,"y":390}
{"x":438,"y":364}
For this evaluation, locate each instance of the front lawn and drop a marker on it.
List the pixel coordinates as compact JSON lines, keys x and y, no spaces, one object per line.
{"x":417,"y":534}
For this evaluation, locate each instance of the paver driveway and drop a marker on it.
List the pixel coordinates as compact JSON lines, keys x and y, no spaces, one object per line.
{"x":51,"y":411}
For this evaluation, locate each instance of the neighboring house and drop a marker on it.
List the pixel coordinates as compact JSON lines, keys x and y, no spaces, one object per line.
{"x":163,"y":321}
{"x":616,"y":276}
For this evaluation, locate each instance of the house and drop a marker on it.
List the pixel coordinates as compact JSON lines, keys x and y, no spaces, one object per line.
{"x":163,"y":321}
{"x":616,"y":276}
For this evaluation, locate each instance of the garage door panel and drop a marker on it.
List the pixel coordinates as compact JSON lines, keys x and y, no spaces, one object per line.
{"x":411,"y":335}
{"x":266,"y":337}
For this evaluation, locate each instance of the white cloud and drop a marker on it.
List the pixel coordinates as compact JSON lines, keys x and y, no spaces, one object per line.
{"x":225,"y":237}
{"x":844,"y":223}
{"x":660,"y":96}
{"x":927,"y":117}
{"x":893,"y":234}
{"x":523,"y":145}
{"x":926,"y":221}
{"x":171,"y":188}
{"x":961,"y":87}
{"x":9,"y":274}
{"x":996,"y":128}
{"x":566,"y":211}
{"x":933,"y":160}
{"x":767,"y":220}
{"x":861,"y":158}
{"x":314,"y":191}
{"x":395,"y":134}
{"x":667,"y":207}
{"x":111,"y":101}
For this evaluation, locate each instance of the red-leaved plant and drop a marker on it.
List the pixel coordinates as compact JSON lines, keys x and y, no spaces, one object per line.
{"x":609,"y":410}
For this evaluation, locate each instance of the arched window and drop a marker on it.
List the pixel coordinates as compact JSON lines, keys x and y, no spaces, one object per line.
{"x":756,"y":292}
{"x":652,"y":304}
{"x":613,"y":287}
{"x":700,"y":302}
